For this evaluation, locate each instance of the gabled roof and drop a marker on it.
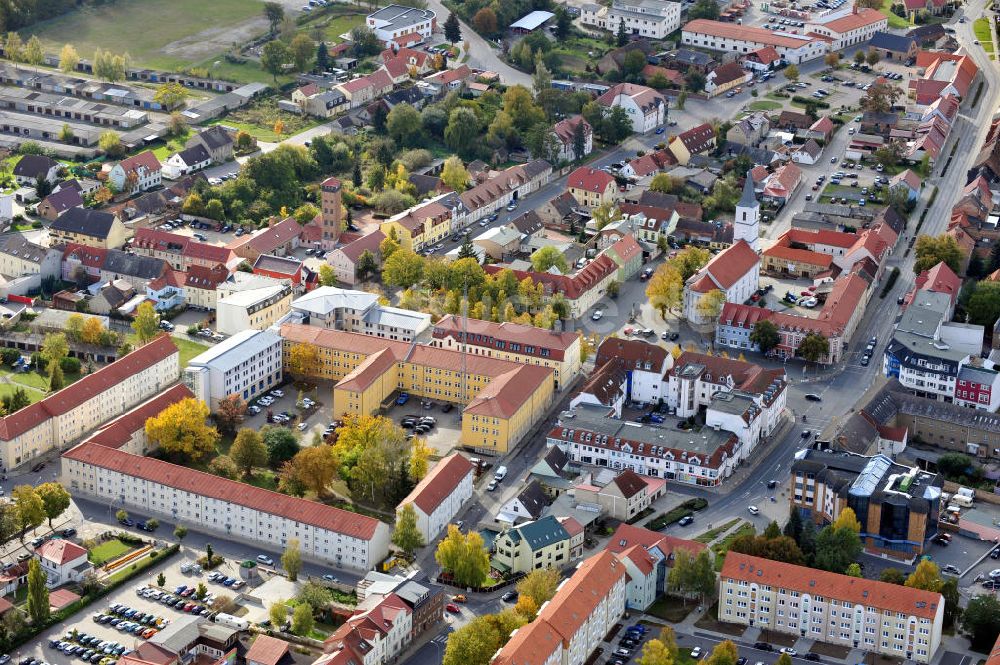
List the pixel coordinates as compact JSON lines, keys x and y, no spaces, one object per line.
{"x":34,"y":166}
{"x":629,"y":483}
{"x":84,"y":221}
{"x":64,"y":199}
{"x":888,"y":41}
{"x":590,"y":180}
{"x":59,"y":551}
{"x":533,"y":498}
{"x":727,"y":73}
{"x":439,"y":483}
{"x":698,"y":139}
{"x":728,"y":266}
{"x":145,"y":159}
{"x":541,"y":533}
{"x":266,"y":650}
{"x":196,"y":154}
{"x":859,"y":18}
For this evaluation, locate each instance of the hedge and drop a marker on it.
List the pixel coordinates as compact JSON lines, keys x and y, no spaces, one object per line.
{"x":685,"y":509}
{"x":818,"y":103}
{"x":889,"y":283}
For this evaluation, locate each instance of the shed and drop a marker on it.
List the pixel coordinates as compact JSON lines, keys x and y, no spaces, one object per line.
{"x":531,"y":22}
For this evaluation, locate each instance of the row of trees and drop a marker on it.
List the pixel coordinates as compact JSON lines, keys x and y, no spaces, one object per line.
{"x":436,"y":286}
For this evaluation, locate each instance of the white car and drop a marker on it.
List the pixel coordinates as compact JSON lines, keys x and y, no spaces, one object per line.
{"x":995,"y":573}
{"x":809,"y":302}
{"x":302,"y":427}
{"x":597,"y":316}
{"x":696,"y":652}
{"x":753,"y":510}
{"x":263,"y":558}
{"x":790,"y":651}
{"x":278,"y":393}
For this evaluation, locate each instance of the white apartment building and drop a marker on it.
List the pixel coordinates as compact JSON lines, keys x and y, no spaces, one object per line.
{"x":247,"y":364}
{"x":646,"y":107}
{"x":848,"y":611}
{"x":573,"y":624}
{"x":858,"y":27}
{"x":439,"y":496}
{"x":252,"y":309}
{"x":212,"y":504}
{"x":395,"y":21}
{"x":358,"y":312}
{"x":649,"y":18}
{"x":65,"y":416}
{"x":742,"y":39}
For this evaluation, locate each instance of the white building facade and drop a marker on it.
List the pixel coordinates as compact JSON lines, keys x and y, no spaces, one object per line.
{"x":247,"y":364}
{"x":439,"y":496}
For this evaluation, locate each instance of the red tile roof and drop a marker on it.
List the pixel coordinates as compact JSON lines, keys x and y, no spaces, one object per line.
{"x":60,"y":551}
{"x":92,"y":257}
{"x":803,"y":256}
{"x":146,"y":159}
{"x":857,"y":19}
{"x":627,"y":535}
{"x":590,"y":180}
{"x":729,"y":72}
{"x":581,"y":594}
{"x":765,"y":55}
{"x":439,"y":483}
{"x":818,"y":237}
{"x":120,"y":431}
{"x":743,"y":33}
{"x":266,"y":650}
{"x":530,"y":645}
{"x":504,"y":396}
{"x":856,"y":590}
{"x":698,"y":139}
{"x":632,"y":354}
{"x":571,"y":286}
{"x":731,"y":264}
{"x":644,"y":97}
{"x":200,"y":277}
{"x":268,"y":240}
{"x":369,"y":242}
{"x":77,"y":393}
{"x":566,"y":129}
{"x":743,"y":316}
{"x":939,"y":279}
{"x":60,"y":598}
{"x":487,"y":334}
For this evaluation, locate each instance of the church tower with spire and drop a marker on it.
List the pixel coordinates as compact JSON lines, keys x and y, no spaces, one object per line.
{"x":747,"y":224}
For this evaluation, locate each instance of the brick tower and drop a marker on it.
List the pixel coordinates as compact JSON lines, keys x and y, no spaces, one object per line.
{"x":333,"y":215}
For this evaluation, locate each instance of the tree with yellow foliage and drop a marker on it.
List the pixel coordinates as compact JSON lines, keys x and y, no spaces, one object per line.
{"x":92,"y":331}
{"x":313,"y":468}
{"x":665,"y":290}
{"x":526,"y":607}
{"x":463,"y":556}
{"x":724,"y":653}
{"x":279,"y":127}
{"x":710,"y":305}
{"x":420,"y":452}
{"x":539,"y":585}
{"x":847,"y":518}
{"x":926,"y":576}
{"x":182,"y":430}
{"x":303,"y":358}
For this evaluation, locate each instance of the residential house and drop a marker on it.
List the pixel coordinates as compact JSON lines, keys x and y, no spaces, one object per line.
{"x":137,"y":174}
{"x":695,"y":141}
{"x":84,"y":226}
{"x":32,"y":168}
{"x":809,"y":152}
{"x":440,"y":495}
{"x":535,"y":545}
{"x":857,"y":27}
{"x":914,"y":7}
{"x":63,"y":561}
{"x":643,"y":366}
{"x":646,"y":107}
{"x":781,"y":185}
{"x":59,"y":202}
{"x":187,"y":161}
{"x":448,"y":80}
{"x":566,"y":131}
{"x":111,"y":296}
{"x":763,"y":60}
{"x":647,"y":582}
{"x":216,"y":140}
{"x":909,"y":181}
{"x":582,"y":290}
{"x":527,"y":505}
{"x":395,"y":24}
{"x":726,"y":77}
{"x":622,"y":499}
{"x":345,"y":260}
{"x":591,"y":187}
{"x":627,"y":254}
{"x":423,"y":225}
{"x":751,"y":130}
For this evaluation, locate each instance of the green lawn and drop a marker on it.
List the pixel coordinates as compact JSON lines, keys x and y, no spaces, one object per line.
{"x":8,"y":389}
{"x":985,"y":36}
{"x":188,"y":348}
{"x":340,"y":25}
{"x":721,"y":547}
{"x":107,"y":551}
{"x":765,"y":105}
{"x":894,"y":21}
{"x":157,"y":34}
{"x":712,"y":534}
{"x":29,"y":379}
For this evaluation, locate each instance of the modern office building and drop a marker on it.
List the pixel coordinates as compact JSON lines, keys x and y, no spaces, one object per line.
{"x":247,"y":364}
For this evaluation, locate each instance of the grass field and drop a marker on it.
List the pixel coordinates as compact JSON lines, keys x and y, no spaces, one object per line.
{"x":340,"y":25}
{"x":765,"y":105}
{"x":106,"y":551}
{"x":985,"y":36}
{"x":894,"y":21}
{"x":156,"y":34}
{"x":188,"y":348}
{"x":8,"y":389}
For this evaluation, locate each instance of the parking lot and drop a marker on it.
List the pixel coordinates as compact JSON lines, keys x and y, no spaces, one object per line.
{"x":447,"y":430}
{"x":313,"y":415}
{"x":124,"y":638}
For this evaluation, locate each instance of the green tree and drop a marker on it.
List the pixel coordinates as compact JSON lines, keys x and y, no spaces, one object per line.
{"x":633,"y":63}
{"x":707,"y":9}
{"x":765,"y":335}
{"x":326,"y":275}
{"x":813,"y":347}
{"x":621,"y":37}
{"x":367,"y":264}
{"x":406,"y":535}
{"x":462,"y":130}
{"x":274,"y":12}
{"x":452,"y":29}
{"x":983,"y":307}
{"x":302,"y":50}
{"x":34,"y":54}
{"x":57,"y":380}
{"x":281,"y":444}
{"x":273,"y":58}
{"x":783,"y":659}
{"x":161,"y":580}
{"x":29,"y":506}
{"x":404,"y":125}
{"x":278,"y":614}
{"x":859,"y":56}
{"x":579,"y":140}
{"x":248,"y":451}
{"x":463,"y":556}
{"x":836,"y":549}
{"x":403,"y":269}
{"x":146,"y":323}
{"x":931,"y":250}
{"x":853,"y":570}
{"x":547,"y":257}
{"x":291,"y":559}
{"x":180,"y":532}
{"x":892,"y":576}
{"x":38,"y":593}
{"x":322,"y":57}
{"x":981,"y":621}
{"x":792,"y":73}
{"x":111,"y":144}
{"x":55,"y":500}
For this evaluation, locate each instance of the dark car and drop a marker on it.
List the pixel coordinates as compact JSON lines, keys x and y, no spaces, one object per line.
{"x":811,"y":656}
{"x":126,"y":522}
{"x":995,"y":554}
{"x":446,"y":407}
{"x":813,"y":397}
{"x":741,"y":661}
{"x":38,"y":467}
{"x":509,"y":597}
{"x":684,"y":521}
{"x":763,"y":646}
{"x":68,"y":533}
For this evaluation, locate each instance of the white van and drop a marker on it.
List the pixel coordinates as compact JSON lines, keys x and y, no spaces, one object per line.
{"x":501,"y":473}
{"x":961,"y":500}
{"x":232,"y":621}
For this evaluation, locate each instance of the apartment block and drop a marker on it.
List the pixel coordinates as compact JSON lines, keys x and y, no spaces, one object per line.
{"x":372,"y":637}
{"x":898,"y":505}
{"x":513,"y":341}
{"x":65,"y":416}
{"x":542,"y":543}
{"x":358,"y":312}
{"x":852,"y":612}
{"x":253,"y":309}
{"x":573,"y":624}
{"x":247,"y":364}
{"x":439,"y":496}
{"x":648,"y":557}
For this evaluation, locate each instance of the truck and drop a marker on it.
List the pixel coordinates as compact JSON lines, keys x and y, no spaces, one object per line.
{"x":500,"y":473}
